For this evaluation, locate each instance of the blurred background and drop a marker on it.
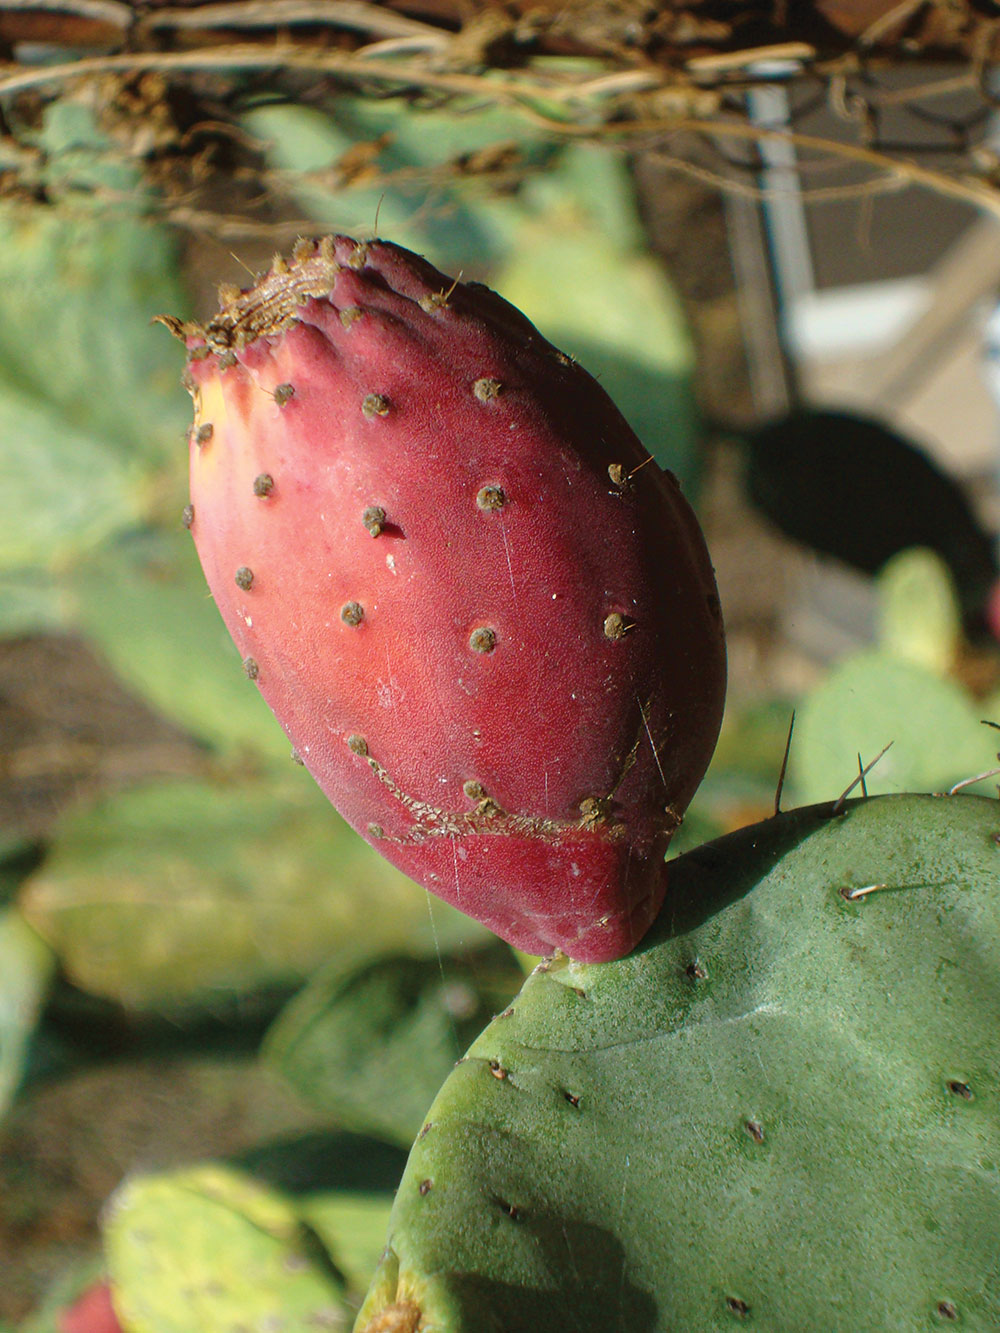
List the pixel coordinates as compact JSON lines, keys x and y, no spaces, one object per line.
{"x":774,"y":237}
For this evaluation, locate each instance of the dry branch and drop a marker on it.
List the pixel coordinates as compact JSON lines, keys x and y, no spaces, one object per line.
{"x":604,"y":69}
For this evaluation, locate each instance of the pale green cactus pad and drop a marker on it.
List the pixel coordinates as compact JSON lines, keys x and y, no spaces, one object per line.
{"x":144,"y":603}
{"x":781,"y":1112}
{"x":83,"y":420}
{"x":26,"y":968}
{"x":236,"y":889}
{"x":209,"y":1249}
{"x":370,"y":1046}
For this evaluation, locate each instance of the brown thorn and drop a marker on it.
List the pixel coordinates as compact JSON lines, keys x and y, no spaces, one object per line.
{"x":374,"y":405}
{"x":373,"y":519}
{"x":486,"y":389}
{"x":483,"y":639}
{"x":639,"y":468}
{"x":234,"y":255}
{"x":491,"y":498}
{"x":755,"y":1129}
{"x":852,"y":895}
{"x":784,"y":766}
{"x":969,"y":782}
{"x":616,"y":626}
{"x":438,"y":300}
{"x":177,"y":328}
{"x":358,"y":256}
{"x":838,"y":804}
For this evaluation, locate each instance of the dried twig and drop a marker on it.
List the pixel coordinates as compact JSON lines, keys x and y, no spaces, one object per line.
{"x":908,"y":173}
{"x":112,"y":12}
{"x":354,"y":15}
{"x":613,"y":95}
{"x":886,"y":23}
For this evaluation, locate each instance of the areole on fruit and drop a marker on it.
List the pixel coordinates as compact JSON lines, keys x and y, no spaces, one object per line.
{"x":523,"y":622}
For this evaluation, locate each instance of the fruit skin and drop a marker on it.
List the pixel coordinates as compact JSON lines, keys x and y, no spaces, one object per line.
{"x":993,"y":611}
{"x":486,"y":620}
{"x":92,"y":1312}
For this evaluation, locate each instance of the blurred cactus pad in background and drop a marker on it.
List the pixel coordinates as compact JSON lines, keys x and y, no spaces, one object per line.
{"x":251,"y":1076}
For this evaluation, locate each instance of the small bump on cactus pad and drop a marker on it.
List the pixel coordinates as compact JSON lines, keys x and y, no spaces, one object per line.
{"x":523,"y":621}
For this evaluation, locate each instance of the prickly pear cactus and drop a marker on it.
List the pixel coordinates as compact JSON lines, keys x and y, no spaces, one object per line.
{"x":209,"y":1248}
{"x":484,"y":616}
{"x":781,"y":1112}
{"x":243,"y":889}
{"x":26,"y":969}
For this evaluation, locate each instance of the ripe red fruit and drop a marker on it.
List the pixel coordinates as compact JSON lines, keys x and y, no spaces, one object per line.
{"x":485,"y":618}
{"x":993,"y":611}
{"x":92,"y":1312}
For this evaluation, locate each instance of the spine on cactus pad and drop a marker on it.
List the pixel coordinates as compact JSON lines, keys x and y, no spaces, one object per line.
{"x":485,"y":618}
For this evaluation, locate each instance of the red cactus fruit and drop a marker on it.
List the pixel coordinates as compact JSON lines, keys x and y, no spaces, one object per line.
{"x":486,"y":620}
{"x":92,"y":1312}
{"x":993,"y":610}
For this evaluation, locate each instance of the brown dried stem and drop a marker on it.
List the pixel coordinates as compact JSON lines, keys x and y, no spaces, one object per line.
{"x":619,"y":94}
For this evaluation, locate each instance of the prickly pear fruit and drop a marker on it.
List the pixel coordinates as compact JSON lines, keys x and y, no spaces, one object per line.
{"x":993,"y":610}
{"x":487,"y":622}
{"x":92,"y":1312}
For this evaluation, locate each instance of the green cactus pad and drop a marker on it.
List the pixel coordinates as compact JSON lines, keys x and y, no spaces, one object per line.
{"x":466,"y":218}
{"x":873,"y":699}
{"x":209,"y":1249}
{"x":919,"y":616}
{"x":84,"y":420}
{"x":352,"y":1227}
{"x":781,"y":1112}
{"x":97,"y":269}
{"x":144,"y":603}
{"x":26,"y":966}
{"x":195,"y":895}
{"x":372,"y":1047}
{"x":30,"y":603}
